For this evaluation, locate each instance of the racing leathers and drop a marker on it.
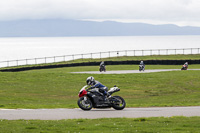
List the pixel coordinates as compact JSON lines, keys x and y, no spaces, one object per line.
{"x":142,"y":64}
{"x":186,"y":64}
{"x":103,"y":89}
{"x":102,"y":63}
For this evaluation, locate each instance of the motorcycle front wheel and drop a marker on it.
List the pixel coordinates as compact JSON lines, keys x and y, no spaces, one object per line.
{"x":118,"y":103}
{"x":84,"y":104}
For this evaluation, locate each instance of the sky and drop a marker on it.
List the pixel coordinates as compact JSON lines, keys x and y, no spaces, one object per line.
{"x":179,"y":12}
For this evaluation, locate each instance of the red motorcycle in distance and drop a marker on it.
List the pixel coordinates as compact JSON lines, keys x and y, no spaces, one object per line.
{"x":184,"y":67}
{"x":89,"y":99}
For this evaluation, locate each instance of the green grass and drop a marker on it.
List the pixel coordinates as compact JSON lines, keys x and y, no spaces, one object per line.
{"x":153,"y":57}
{"x":57,"y":88}
{"x":121,"y":58}
{"x":115,"y":125}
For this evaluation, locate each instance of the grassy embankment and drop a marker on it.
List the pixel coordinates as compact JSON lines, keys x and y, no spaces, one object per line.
{"x":115,"y":125}
{"x":57,"y":88}
{"x":153,"y":57}
{"x":122,"y":58}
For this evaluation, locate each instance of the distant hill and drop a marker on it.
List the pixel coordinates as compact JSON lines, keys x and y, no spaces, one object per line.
{"x":61,"y":28}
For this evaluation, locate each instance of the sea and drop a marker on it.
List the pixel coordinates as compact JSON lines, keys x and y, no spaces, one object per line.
{"x":17,"y":48}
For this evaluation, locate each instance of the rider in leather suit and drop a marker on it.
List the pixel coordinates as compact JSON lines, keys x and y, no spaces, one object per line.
{"x":96,"y":84}
{"x":142,"y":63}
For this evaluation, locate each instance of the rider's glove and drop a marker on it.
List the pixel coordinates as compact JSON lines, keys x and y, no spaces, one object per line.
{"x":90,"y":88}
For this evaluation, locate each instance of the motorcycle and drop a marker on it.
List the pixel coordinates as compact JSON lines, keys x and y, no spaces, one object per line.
{"x":102,"y":68}
{"x":141,"y":68}
{"x":89,"y":99}
{"x":184,"y":67}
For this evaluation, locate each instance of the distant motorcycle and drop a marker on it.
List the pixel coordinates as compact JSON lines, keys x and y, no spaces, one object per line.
{"x":94,"y":99}
{"x":184,"y":67}
{"x":141,"y":68}
{"x":102,"y":68}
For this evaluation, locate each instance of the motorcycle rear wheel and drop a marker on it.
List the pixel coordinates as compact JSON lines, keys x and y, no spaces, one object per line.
{"x":119,"y":105}
{"x":84,"y":105}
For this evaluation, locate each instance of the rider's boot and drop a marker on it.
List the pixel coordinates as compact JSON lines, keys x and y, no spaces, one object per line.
{"x":106,"y":96}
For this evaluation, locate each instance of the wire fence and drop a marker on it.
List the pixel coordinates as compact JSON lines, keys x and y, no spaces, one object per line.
{"x":98,"y":55}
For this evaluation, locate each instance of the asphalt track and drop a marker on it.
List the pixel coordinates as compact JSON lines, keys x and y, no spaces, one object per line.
{"x":130,"y":71}
{"x":59,"y":114}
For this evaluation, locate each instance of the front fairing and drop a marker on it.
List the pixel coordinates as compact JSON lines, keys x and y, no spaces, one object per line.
{"x":83,"y":91}
{"x":83,"y":88}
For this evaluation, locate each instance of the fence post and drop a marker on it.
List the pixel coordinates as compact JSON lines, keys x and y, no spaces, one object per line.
{"x":142,"y":52}
{"x":151,"y":52}
{"x":17,"y":62}
{"x":73,"y":57}
{"x":175,"y":51}
{"x":26,"y":61}
{"x":166,"y":51}
{"x":35,"y":60}
{"x":191,"y":50}
{"x":134,"y":52}
{"x":100,"y":55}
{"x":109,"y":54}
{"x":82,"y":57}
{"x":183,"y":52}
{"x":91,"y":55}
{"x":45,"y":60}
{"x":7,"y":63}
{"x":126,"y":52}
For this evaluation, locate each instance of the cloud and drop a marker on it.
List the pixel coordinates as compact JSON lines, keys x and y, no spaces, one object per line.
{"x":161,"y":11}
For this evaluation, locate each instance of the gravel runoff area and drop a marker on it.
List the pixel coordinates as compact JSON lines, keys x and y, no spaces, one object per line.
{"x":59,"y":114}
{"x":130,"y":71}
